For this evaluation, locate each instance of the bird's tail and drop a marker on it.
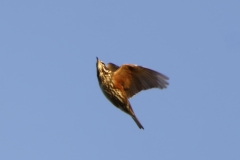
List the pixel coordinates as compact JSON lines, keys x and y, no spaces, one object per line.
{"x":137,"y":122}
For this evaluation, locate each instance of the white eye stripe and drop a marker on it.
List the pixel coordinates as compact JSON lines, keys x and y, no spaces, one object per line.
{"x":105,"y":69}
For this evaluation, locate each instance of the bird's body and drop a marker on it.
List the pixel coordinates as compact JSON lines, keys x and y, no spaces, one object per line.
{"x":120,"y":83}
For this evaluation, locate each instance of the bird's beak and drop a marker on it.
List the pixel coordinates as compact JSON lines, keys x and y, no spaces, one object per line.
{"x":97,"y":58}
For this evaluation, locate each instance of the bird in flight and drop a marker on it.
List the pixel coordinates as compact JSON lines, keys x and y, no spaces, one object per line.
{"x":119,"y":84}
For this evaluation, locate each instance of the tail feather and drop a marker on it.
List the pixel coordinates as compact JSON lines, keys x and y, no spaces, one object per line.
{"x":137,"y":122}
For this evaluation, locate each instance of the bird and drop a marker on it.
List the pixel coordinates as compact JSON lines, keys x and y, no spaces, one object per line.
{"x":119,"y":83}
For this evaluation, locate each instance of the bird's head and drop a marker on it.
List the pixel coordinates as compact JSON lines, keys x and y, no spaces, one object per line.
{"x":101,"y":67}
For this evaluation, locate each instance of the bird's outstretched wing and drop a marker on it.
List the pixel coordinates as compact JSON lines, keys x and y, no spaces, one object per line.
{"x":135,"y":78}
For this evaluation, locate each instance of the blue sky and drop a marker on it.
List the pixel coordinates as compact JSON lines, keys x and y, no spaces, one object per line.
{"x":51,"y":106}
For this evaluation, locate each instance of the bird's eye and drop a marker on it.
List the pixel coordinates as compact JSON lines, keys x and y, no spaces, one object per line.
{"x":103,"y":64}
{"x":105,"y":68}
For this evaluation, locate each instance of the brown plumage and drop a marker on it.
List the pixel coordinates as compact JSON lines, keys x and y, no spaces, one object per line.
{"x":120,"y":83}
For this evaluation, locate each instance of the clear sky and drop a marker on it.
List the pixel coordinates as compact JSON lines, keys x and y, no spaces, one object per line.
{"x":51,"y":106}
